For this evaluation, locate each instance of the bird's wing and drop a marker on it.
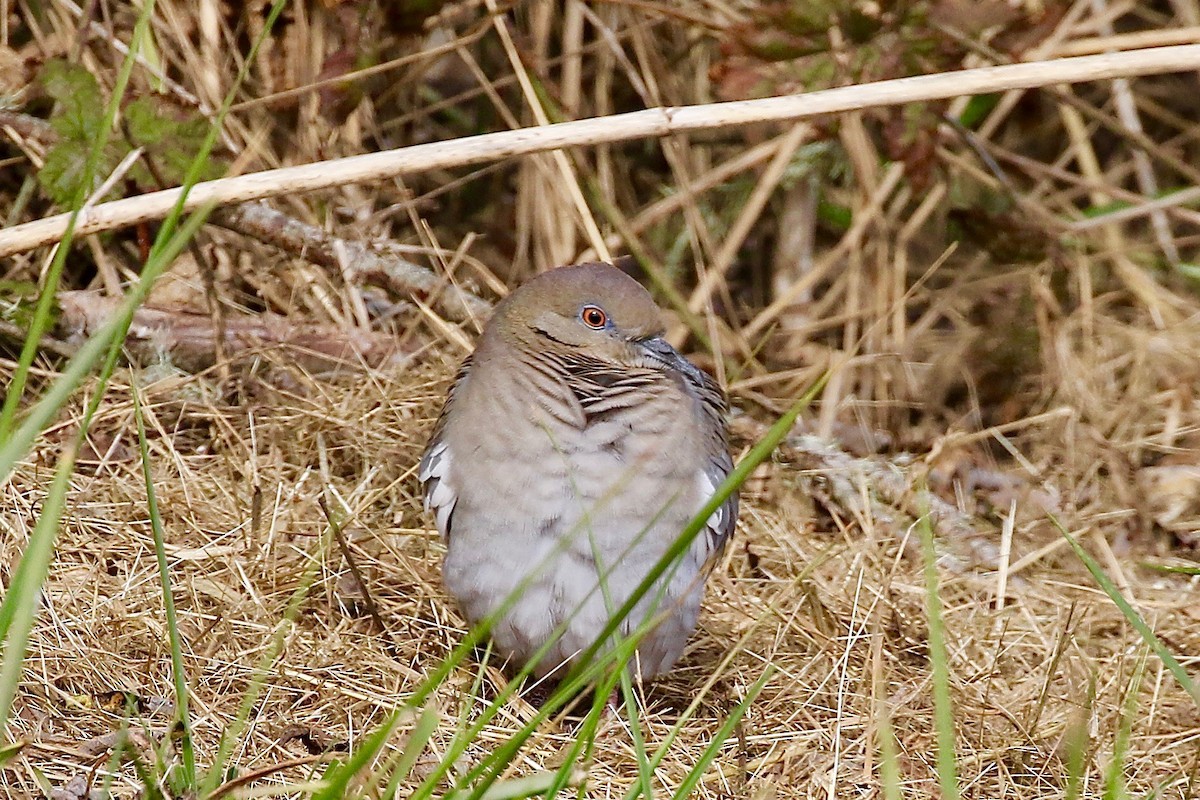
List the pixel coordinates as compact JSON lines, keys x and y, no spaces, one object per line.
{"x":434,"y":470}
{"x":719,"y":464}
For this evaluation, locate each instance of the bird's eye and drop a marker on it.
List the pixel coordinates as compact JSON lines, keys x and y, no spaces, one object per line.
{"x":593,"y":317}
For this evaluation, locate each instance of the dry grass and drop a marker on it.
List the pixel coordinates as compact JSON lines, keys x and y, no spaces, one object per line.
{"x":1032,"y":361}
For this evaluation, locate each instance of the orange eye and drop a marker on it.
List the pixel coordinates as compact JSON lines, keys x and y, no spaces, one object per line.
{"x":593,"y":317}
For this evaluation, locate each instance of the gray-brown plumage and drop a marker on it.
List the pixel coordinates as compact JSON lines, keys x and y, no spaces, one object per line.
{"x":573,"y":448}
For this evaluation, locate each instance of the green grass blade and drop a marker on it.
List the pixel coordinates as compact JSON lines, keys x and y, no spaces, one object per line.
{"x":889,"y":758}
{"x":418,"y":740}
{"x":179,"y":677}
{"x":943,"y":709}
{"x":692,"y":780}
{"x":574,"y":766}
{"x":113,"y":766}
{"x":106,"y":339}
{"x":515,"y":788}
{"x":167,"y":245}
{"x":601,"y":674}
{"x":337,"y":780}
{"x":489,"y":769}
{"x":10,"y":749}
{"x":635,"y":731}
{"x":626,"y":685}
{"x":1075,"y":742}
{"x":467,"y":735}
{"x":17,"y":607}
{"x":1176,"y":569}
{"x":1131,"y":614}
{"x":685,"y":717}
{"x":21,"y":602}
{"x":1114,"y":779}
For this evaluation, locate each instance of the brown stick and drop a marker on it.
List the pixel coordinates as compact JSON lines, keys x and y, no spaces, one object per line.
{"x":189,"y":339}
{"x":309,"y":242}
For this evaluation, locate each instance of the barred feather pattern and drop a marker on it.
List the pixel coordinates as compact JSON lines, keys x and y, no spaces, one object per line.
{"x":558,"y":481}
{"x":603,"y":391}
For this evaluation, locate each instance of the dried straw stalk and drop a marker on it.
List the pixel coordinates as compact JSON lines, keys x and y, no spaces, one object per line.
{"x":620,"y":127}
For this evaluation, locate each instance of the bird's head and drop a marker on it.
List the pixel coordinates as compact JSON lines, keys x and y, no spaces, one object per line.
{"x":592,"y":311}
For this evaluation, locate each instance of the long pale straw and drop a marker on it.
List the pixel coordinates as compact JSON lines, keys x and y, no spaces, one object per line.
{"x":652,"y":122}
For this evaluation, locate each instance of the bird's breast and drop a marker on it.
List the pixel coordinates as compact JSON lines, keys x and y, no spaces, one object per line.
{"x":549,"y":459}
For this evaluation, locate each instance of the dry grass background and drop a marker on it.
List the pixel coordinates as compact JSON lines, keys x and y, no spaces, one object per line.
{"x":1013,"y":348}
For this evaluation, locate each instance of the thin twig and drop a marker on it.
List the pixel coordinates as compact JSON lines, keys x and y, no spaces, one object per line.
{"x":309,"y":242}
{"x":352,"y":563}
{"x":189,"y":339}
{"x":17,"y":333}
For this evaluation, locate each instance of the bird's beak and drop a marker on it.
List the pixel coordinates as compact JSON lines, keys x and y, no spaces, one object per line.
{"x":660,"y":350}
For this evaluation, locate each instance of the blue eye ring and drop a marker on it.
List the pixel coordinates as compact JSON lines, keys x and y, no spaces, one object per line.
{"x":594,"y":317}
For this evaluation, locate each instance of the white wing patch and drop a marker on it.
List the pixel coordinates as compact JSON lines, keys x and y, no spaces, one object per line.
{"x":707,"y":490}
{"x":721,"y":522}
{"x":440,"y":496}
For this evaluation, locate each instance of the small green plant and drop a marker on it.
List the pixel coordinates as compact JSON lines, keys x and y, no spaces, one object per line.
{"x":168,"y":136}
{"x":80,"y":119}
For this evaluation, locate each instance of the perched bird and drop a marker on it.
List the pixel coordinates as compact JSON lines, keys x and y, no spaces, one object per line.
{"x":574,"y":447}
